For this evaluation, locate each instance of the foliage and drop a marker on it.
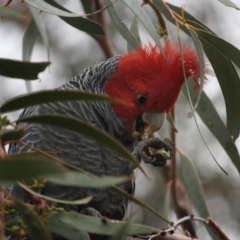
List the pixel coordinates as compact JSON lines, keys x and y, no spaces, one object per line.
{"x":37,"y":222}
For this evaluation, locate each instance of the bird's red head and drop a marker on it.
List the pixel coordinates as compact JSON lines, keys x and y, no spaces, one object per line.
{"x":148,"y":82}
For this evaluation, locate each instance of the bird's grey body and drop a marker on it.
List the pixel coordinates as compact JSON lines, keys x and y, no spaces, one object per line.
{"x":79,"y":150}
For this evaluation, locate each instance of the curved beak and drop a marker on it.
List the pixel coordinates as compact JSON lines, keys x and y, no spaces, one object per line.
{"x":153,"y":121}
{"x":146,"y":124}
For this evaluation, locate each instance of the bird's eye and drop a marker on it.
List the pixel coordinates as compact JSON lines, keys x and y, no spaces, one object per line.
{"x":141,"y":98}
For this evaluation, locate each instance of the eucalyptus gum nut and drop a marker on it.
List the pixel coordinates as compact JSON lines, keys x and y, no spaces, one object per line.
{"x":41,"y":186}
{"x":15,"y":228}
{"x":12,"y":211}
{"x":44,"y":181}
{"x":162,"y":152}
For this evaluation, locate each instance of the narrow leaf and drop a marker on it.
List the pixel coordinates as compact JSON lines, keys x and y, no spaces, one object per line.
{"x":120,"y":25}
{"x":214,"y":123}
{"x":80,"y":23}
{"x":199,"y":49}
{"x":229,"y":83}
{"x":47,"y":96}
{"x":27,"y":165}
{"x":8,"y":12}
{"x":229,"y":3}
{"x":35,"y":227}
{"x":135,"y":32}
{"x":88,"y":130}
{"x":29,"y":40}
{"x":143,"y":17}
{"x":94,"y":225}
{"x":41,"y":27}
{"x":24,"y":70}
{"x":194,"y":188}
{"x":45,"y":7}
{"x":187,"y":17}
{"x":77,"y":179}
{"x":88,"y":7}
{"x":10,"y":134}
{"x":226,"y":49}
{"x":69,"y":202}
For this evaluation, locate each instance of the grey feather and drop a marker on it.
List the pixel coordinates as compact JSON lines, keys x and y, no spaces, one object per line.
{"x":81,"y":151}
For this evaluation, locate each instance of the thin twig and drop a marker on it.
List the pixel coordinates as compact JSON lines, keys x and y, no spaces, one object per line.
{"x":160,"y":17}
{"x":104,"y":41}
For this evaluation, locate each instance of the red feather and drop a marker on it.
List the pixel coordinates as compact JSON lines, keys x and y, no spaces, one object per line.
{"x":147,"y":72}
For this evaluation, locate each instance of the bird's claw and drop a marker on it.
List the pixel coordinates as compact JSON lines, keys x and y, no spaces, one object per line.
{"x":156,"y":151}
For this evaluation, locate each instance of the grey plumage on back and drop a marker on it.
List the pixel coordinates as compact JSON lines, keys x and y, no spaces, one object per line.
{"x":79,"y":150}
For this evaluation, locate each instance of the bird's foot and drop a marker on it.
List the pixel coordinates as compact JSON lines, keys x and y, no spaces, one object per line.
{"x":154,"y":151}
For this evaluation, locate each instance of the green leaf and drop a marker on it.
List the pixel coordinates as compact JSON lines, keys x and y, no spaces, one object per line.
{"x":167,"y":203}
{"x":135,"y":32}
{"x":194,"y":188}
{"x":88,"y":7}
{"x":229,"y":4}
{"x":221,"y":46}
{"x":214,"y":123}
{"x":120,"y":25}
{"x":88,"y":130}
{"x":229,"y":83}
{"x":72,"y":178}
{"x":80,"y":23}
{"x":47,"y":96}
{"x":8,"y":12}
{"x":10,"y":134}
{"x":27,"y":165}
{"x":29,"y":40}
{"x":82,"y":201}
{"x":35,"y":227}
{"x":45,"y":7}
{"x":199,"y":49}
{"x":187,"y":17}
{"x":67,"y":231}
{"x":70,"y":221}
{"x":24,"y":70}
{"x":41,"y":27}
{"x":143,"y":17}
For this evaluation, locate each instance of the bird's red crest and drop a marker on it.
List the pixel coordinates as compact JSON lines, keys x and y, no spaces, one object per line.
{"x":147,"y":72}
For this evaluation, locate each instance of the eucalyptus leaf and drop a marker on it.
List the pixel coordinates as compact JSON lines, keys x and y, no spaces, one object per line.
{"x":212,"y":120}
{"x":46,"y":96}
{"x":23,"y":70}
{"x":120,"y":25}
{"x":35,"y":227}
{"x":229,"y":4}
{"x":10,"y":134}
{"x":71,"y":220}
{"x":194,"y":189}
{"x":8,"y":12}
{"x":199,"y":49}
{"x":143,"y":17}
{"x":46,"y":7}
{"x":82,"y":201}
{"x":41,"y":28}
{"x":80,"y":23}
{"x":135,"y":32}
{"x":27,"y":165}
{"x":29,"y":39}
{"x":229,"y":82}
{"x":73,"y":178}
